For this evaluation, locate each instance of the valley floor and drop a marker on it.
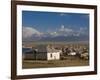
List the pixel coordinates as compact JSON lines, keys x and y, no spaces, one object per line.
{"x":54,"y":63}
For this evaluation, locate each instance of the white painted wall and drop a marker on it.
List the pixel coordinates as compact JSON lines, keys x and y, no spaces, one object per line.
{"x":5,"y":43}
{"x":53,"y":56}
{"x":72,"y":53}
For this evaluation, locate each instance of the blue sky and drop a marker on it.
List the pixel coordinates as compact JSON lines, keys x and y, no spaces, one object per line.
{"x":50,"y":21}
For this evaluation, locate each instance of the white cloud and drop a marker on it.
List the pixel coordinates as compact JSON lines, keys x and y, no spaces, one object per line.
{"x":65,"y":29}
{"x":54,"y":34}
{"x":29,"y":31}
{"x":83,"y":31}
{"x":62,"y":14}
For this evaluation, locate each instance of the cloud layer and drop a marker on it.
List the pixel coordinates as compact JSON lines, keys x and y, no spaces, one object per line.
{"x":29,"y":33}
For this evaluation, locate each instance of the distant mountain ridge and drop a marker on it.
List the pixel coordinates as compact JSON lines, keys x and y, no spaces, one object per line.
{"x":62,"y":34}
{"x":60,"y":38}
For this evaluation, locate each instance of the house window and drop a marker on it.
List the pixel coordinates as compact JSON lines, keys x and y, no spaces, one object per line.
{"x":50,"y":55}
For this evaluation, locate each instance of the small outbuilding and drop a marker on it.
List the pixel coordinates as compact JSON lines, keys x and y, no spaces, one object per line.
{"x":42,"y":52}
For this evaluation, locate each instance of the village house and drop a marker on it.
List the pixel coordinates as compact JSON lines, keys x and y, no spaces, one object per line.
{"x":42,"y":52}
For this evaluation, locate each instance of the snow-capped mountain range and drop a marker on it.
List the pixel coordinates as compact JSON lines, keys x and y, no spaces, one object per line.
{"x":61,"y":34}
